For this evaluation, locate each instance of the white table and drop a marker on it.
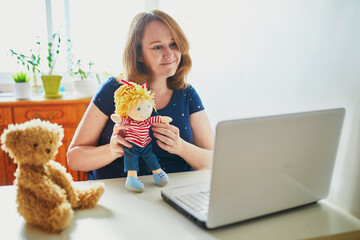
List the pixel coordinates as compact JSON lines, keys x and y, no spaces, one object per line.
{"x":122,"y":214}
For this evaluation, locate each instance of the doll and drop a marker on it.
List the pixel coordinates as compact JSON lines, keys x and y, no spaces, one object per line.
{"x":133,"y":107}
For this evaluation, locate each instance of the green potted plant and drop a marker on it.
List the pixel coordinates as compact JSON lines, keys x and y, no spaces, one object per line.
{"x":22,"y":86}
{"x":50,"y":81}
{"x":84,"y":83}
{"x":32,"y":63}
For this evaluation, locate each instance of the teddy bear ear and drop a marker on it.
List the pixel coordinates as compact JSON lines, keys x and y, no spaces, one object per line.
{"x":8,"y":140}
{"x":59,"y":132}
{"x":59,"y":135}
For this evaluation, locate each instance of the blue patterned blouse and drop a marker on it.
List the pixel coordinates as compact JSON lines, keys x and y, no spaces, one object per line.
{"x":182,"y":104}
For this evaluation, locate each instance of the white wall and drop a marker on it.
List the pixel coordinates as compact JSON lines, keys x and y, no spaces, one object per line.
{"x":254,"y":57}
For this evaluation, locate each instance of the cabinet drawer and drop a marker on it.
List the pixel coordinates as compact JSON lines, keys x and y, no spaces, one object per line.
{"x":62,"y":114}
{"x":5,"y":116}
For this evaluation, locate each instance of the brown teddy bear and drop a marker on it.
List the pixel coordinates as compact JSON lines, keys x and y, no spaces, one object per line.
{"x":46,"y":195}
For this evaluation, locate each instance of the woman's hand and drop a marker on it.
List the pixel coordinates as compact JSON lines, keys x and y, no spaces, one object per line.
{"x":168,"y":137}
{"x":117,"y":141}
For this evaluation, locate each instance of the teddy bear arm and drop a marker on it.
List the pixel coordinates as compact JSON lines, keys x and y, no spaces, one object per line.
{"x":58,"y":174}
{"x":41,"y":187}
{"x":79,"y":197}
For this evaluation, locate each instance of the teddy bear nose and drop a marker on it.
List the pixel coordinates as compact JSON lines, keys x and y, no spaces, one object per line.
{"x":47,"y":150}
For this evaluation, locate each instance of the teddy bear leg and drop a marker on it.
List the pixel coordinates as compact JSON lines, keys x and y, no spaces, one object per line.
{"x":89,"y":196}
{"x":59,"y":217}
{"x":43,"y":215}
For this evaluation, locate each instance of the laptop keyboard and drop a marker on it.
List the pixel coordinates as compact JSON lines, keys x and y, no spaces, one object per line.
{"x":198,"y":201}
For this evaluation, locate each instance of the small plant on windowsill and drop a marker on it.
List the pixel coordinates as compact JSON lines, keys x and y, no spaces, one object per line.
{"x":84,"y":83}
{"x":31,"y":62}
{"x":83,"y":76}
{"x":53,"y":51}
{"x":50,"y":81}
{"x":79,"y":72}
{"x":21,"y":77}
{"x":22,"y":87}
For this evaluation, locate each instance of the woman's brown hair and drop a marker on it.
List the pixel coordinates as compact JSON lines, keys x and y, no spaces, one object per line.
{"x":135,"y":70}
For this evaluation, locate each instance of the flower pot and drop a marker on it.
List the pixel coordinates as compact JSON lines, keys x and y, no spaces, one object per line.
{"x":85,"y":88}
{"x":51,"y":85}
{"x":22,"y":90}
{"x":36,"y":87}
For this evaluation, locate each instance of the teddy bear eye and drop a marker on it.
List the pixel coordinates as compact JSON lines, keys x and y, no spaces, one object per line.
{"x":50,"y":142}
{"x":35,"y":145}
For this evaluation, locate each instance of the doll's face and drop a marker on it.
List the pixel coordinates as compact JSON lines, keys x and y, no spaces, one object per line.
{"x":141,"y":110}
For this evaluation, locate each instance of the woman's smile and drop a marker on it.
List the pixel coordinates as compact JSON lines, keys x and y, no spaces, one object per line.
{"x":167,"y":63}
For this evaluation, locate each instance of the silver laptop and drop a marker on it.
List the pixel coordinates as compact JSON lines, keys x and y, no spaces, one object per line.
{"x":262,"y":166}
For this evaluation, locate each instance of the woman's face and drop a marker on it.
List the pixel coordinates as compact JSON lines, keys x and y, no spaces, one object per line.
{"x":160,"y":53}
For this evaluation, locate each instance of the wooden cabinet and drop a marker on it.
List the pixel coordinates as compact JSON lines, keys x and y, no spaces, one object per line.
{"x":66,"y":112}
{"x":5,"y":162}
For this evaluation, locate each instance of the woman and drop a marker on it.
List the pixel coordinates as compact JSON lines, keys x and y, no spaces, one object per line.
{"x":156,"y":53}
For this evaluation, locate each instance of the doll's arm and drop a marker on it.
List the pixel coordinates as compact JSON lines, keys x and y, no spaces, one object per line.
{"x":116,"y":118}
{"x":165,"y":119}
{"x":162,"y":119}
{"x":119,"y":119}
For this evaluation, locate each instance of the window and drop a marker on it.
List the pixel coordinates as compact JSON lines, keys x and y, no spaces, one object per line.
{"x":97,"y":30}
{"x":21,"y":22}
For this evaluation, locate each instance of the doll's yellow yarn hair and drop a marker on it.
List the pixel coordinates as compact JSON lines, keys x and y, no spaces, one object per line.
{"x":129,"y":94}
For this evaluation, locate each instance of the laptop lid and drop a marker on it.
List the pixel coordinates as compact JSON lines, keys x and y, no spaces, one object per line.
{"x":267,"y":164}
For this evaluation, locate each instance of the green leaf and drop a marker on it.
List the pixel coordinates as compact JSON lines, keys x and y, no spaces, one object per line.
{"x":21,"y":77}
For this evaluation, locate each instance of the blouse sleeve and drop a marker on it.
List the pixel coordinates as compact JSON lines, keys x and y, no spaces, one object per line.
{"x":195,"y":103}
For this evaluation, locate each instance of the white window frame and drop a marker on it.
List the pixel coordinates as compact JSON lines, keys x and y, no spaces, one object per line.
{"x":149,"y":5}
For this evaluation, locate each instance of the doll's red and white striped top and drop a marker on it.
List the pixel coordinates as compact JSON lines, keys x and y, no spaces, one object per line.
{"x":138,"y":132}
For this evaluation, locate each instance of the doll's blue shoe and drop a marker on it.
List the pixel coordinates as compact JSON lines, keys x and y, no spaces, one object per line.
{"x":134,"y":184}
{"x":161,"y":178}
